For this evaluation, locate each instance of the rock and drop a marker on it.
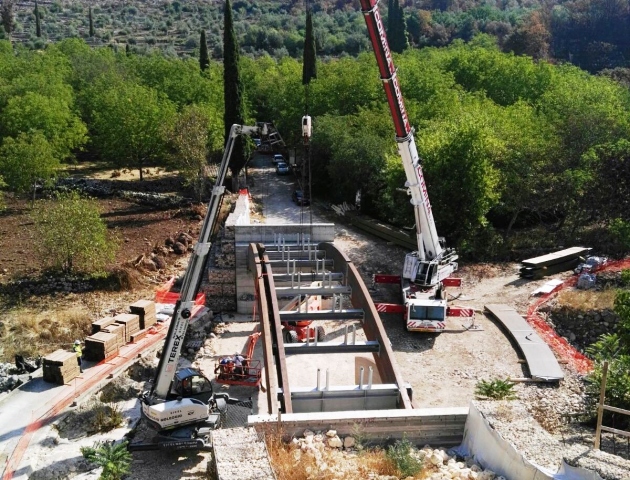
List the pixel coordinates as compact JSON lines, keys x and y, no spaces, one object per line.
{"x":179,"y":248}
{"x":169,"y":241}
{"x":331,"y":433}
{"x":159,"y":262}
{"x":334,"y":442}
{"x":348,"y":442}
{"x":307,"y":433}
{"x":149,"y":265}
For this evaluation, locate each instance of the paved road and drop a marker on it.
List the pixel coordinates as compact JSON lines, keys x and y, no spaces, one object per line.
{"x":274,"y":193}
{"x":37,"y":403}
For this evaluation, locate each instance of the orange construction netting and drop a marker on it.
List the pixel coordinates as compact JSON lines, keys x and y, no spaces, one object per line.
{"x":565,"y":351}
{"x":164,"y":295}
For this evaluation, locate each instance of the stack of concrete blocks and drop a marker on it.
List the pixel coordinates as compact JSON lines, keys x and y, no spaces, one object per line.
{"x":100,"y":346}
{"x":145,"y":310}
{"x":131,"y":323}
{"x":60,"y":367}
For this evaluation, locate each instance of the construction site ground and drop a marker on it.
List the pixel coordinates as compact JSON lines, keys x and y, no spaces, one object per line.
{"x":442,"y":369}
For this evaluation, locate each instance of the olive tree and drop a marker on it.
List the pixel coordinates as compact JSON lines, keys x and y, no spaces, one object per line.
{"x":72,"y":235}
{"x":26,"y":160}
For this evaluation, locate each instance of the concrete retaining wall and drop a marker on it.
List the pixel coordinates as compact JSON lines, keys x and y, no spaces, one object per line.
{"x":433,"y":426}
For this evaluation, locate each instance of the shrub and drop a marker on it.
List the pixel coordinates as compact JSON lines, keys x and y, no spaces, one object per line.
{"x":72,"y":235}
{"x":400,"y":454}
{"x":113,"y":457}
{"x":495,"y":389}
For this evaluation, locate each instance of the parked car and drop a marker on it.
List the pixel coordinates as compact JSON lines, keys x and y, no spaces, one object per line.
{"x":299,"y":198}
{"x":277,"y":158}
{"x":257,"y":142}
{"x":282,"y":169}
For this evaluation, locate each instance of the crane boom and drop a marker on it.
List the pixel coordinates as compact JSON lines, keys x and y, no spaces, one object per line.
{"x":431,"y":263}
{"x":192,"y":278}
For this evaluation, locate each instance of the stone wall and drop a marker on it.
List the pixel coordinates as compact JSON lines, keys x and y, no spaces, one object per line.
{"x":45,"y":286}
{"x":220,"y":283}
{"x":580,"y":328}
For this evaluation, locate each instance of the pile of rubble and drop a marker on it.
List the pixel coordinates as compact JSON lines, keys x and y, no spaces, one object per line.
{"x":337,"y":456}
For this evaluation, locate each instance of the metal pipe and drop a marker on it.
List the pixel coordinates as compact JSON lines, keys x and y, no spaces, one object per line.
{"x":327,"y":379}
{"x":370,"y":373}
{"x":345,"y":336}
{"x":354,"y":333}
{"x":361,"y":378}
{"x":318,"y":379}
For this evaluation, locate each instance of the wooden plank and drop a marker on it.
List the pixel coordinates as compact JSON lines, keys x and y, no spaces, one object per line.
{"x":616,"y":410}
{"x":556,"y":257}
{"x":615,"y":431}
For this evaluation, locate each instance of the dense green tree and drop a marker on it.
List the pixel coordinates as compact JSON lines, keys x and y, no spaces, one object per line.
{"x":459,"y":157}
{"x":189,"y":140}
{"x":38,"y":25}
{"x":51,"y":116}
{"x":131,"y":124}
{"x":232,"y":91}
{"x":204,"y":59}
{"x":72,"y":237}
{"x":26,"y":160}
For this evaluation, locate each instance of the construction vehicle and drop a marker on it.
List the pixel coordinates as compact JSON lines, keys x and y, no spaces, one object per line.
{"x":181,"y":405}
{"x":302,"y":330}
{"x":249,"y":375}
{"x":427,"y":270}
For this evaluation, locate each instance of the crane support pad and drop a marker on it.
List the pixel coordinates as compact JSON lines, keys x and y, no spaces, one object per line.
{"x":452,"y":282}
{"x":460,"y":312}
{"x":330,"y":347}
{"x":542,"y":363}
{"x":389,"y":308}
{"x":386,"y":278}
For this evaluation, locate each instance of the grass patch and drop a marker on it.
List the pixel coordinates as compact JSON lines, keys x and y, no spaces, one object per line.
{"x":291,"y":463}
{"x":495,"y":389}
{"x":587,"y":300}
{"x":29,"y":332}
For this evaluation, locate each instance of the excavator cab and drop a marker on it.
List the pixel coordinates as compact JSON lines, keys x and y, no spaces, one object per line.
{"x":190,"y":383}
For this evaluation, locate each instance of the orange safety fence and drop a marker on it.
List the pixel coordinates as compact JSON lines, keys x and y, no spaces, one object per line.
{"x":164,"y":295}
{"x":72,"y":390}
{"x":578,"y":361}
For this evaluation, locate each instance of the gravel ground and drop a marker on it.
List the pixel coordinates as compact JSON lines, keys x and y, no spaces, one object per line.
{"x":443,"y":371}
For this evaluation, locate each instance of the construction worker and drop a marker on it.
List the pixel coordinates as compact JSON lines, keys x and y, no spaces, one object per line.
{"x":238,"y":365}
{"x":79,"y":351}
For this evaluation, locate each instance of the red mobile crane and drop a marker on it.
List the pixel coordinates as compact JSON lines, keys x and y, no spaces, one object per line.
{"x":427,"y":270}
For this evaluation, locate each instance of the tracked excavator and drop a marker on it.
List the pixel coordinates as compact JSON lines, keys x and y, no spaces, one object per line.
{"x":181,"y":405}
{"x":426,"y":271}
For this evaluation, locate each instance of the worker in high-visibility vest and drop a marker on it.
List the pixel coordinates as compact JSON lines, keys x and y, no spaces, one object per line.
{"x":79,"y":351}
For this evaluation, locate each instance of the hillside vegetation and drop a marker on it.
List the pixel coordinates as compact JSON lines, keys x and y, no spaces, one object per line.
{"x":507,"y":142}
{"x":591,"y":34}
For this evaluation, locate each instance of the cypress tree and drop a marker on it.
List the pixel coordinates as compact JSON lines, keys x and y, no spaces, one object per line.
{"x":232,"y":91}
{"x":204,"y":59}
{"x":397,"y":28}
{"x":391,"y":15}
{"x":91,"y":32}
{"x":309,"y":67}
{"x":38,"y":25}
{"x":6,"y":16}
